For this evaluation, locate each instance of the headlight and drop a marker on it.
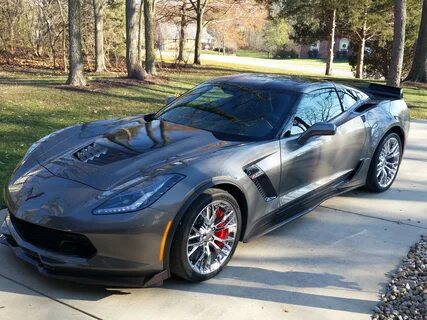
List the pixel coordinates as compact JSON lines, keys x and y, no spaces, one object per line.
{"x":139,"y":196}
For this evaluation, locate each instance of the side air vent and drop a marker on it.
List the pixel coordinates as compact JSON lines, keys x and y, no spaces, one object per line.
{"x":99,"y":154}
{"x":365,"y":106}
{"x":262,"y":182}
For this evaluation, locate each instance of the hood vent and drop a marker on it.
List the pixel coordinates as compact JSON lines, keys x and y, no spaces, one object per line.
{"x":99,"y":154}
{"x":262,"y":182}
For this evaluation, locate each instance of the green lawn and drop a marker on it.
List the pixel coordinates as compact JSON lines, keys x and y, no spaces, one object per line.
{"x":252,"y":54}
{"x":35,"y":103}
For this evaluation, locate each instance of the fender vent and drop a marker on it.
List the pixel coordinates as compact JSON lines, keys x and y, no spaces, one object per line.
{"x":262,"y":182}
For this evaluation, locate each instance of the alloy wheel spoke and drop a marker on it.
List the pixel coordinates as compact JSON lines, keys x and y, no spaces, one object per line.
{"x":218,"y":250}
{"x":194,"y":236}
{"x":393,"y":149}
{"x":393,"y":155}
{"x":196,"y":246}
{"x":214,"y":215}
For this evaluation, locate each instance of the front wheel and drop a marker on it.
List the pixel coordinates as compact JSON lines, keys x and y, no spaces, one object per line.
{"x":385,"y":163}
{"x":207,"y":236}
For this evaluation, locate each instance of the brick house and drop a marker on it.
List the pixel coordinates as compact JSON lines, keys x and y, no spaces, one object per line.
{"x":319,"y":49}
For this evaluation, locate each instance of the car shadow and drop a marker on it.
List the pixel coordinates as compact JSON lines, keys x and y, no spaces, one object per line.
{"x":267,"y":285}
{"x":294,"y":279}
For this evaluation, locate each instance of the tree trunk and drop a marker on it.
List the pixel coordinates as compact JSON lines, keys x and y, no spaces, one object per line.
{"x":182,"y":35}
{"x":418,"y":71}
{"x":360,"y":59}
{"x":150,"y":55}
{"x":133,"y":59}
{"x":76,"y":75}
{"x":64,"y":34}
{"x":398,"y":46}
{"x":50,"y":36}
{"x":12,"y":38}
{"x":330,"y":58}
{"x":98,"y":10}
{"x":199,"y":30}
{"x":362,"y":44}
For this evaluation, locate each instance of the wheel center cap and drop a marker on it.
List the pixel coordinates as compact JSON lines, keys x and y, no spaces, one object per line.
{"x":207,"y":235}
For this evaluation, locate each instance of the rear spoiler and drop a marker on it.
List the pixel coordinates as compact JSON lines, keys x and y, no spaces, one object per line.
{"x":385,"y":91}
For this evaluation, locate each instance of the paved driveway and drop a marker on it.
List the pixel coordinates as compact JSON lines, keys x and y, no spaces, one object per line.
{"x":330,"y":264}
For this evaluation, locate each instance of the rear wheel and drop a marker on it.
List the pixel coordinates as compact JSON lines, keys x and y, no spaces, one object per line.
{"x":385,"y":163}
{"x":207,"y":236}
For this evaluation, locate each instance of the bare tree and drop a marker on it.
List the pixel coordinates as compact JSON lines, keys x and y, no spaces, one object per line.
{"x":98,"y":10}
{"x":11,"y":11}
{"x":76,"y":75}
{"x":150,"y":56}
{"x":398,"y":46}
{"x":199,"y":7}
{"x":418,"y":71}
{"x":182,"y":31}
{"x":362,"y":44}
{"x":331,"y":43}
{"x":133,"y":58}
{"x":233,"y":20}
{"x":64,"y":35}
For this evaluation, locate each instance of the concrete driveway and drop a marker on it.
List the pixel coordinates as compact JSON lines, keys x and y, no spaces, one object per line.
{"x":330,"y":264}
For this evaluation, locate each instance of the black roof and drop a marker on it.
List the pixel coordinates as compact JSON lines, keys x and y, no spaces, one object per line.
{"x":271,"y":82}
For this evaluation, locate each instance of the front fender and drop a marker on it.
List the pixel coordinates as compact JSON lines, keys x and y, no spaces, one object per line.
{"x":186,"y":203}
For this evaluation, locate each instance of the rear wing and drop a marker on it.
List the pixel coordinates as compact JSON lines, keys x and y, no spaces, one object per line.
{"x":379,"y":90}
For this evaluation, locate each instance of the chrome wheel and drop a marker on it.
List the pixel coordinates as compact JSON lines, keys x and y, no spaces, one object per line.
{"x":388,"y":162}
{"x":212,"y":237}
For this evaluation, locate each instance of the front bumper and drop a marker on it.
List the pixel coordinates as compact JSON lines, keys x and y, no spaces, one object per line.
{"x":97,"y":269}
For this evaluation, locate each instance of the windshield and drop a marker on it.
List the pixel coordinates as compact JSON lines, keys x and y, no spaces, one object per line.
{"x":230,"y":111}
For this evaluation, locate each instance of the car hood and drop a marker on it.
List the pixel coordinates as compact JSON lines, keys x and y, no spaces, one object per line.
{"x":131,"y":149}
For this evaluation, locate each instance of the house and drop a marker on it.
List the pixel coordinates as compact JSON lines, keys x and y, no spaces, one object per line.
{"x":319,"y":49}
{"x":167,"y":37}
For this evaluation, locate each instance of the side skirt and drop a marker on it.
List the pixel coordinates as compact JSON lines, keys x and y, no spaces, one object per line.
{"x":301,"y":206}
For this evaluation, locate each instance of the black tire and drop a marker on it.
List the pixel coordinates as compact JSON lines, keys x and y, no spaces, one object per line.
{"x":372,"y":183}
{"x":180,"y":265}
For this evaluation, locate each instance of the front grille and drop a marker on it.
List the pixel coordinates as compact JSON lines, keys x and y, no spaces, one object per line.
{"x":54,"y":240}
{"x":99,"y":154}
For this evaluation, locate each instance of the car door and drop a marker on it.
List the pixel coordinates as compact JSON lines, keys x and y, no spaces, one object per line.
{"x":322,"y":160}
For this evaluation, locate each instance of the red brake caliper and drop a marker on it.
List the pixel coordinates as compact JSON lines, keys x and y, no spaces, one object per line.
{"x":222,"y":234}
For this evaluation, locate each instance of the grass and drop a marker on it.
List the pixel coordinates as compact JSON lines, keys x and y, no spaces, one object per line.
{"x":252,"y":54}
{"x":35,"y":103}
{"x":243,"y":53}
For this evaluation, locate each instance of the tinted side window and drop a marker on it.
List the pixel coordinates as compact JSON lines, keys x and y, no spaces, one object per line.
{"x":318,"y":106}
{"x":360,"y":95}
{"x":348,"y":98}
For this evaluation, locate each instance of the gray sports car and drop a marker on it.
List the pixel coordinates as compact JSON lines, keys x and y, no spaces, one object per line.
{"x":129,"y":201}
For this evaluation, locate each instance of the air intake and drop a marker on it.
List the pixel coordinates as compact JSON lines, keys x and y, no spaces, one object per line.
{"x":262,"y":182}
{"x":99,"y":154}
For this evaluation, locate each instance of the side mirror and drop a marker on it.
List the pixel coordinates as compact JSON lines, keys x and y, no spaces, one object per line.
{"x":318,"y":129}
{"x":169,"y":100}
{"x":149,"y":117}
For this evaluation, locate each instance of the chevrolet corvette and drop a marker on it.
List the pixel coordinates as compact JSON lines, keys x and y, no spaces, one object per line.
{"x":136,"y":199}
